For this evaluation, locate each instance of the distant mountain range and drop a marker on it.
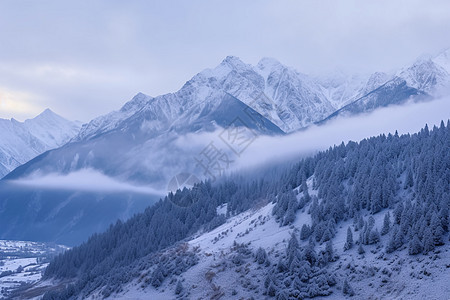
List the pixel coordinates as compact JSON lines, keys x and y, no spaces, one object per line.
{"x":22,"y":141}
{"x":283,"y":100}
{"x":141,"y":142}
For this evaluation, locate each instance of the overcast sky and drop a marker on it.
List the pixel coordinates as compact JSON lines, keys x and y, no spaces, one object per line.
{"x":86,"y":58}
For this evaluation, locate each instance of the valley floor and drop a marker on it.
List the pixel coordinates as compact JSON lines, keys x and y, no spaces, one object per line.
{"x":22,"y":263}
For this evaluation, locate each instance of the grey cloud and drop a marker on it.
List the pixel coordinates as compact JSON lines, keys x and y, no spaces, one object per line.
{"x":120,"y":48}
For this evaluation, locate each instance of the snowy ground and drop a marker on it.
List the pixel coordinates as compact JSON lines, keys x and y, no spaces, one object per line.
{"x":372,"y":275}
{"x":22,"y":263}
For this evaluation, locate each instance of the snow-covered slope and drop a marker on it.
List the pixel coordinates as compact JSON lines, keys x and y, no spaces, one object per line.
{"x":219,"y":273}
{"x":21,"y":141}
{"x":395,"y":91}
{"x":342,"y":89}
{"x":429,"y":74}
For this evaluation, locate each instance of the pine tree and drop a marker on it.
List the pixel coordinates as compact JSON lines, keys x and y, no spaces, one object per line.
{"x":271,"y":291}
{"x":437,"y":230}
{"x":327,"y":235}
{"x":329,"y":251}
{"x":261,"y":256}
{"x":349,"y":243}
{"x":281,"y":267}
{"x":305,"y":232}
{"x":392,"y":244}
{"x":386,"y":224}
{"x":409,"y":181}
{"x":361,"y":249}
{"x":157,"y":276}
{"x":347,"y":289}
{"x":376,"y":200}
{"x":443,"y":213}
{"x":415,"y":246}
{"x":292,"y":248}
{"x":295,"y":265}
{"x":374,"y":236}
{"x":361,"y":223}
{"x":289,"y":218}
{"x":282,"y":295}
{"x":398,"y":213}
{"x":428,"y":241}
{"x":309,"y":253}
{"x":267,"y":281}
{"x":304,"y":271}
{"x":179,"y":288}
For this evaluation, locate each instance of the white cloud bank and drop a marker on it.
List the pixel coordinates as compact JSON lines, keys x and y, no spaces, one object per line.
{"x":85,"y":180}
{"x":169,"y":159}
{"x":408,"y":118}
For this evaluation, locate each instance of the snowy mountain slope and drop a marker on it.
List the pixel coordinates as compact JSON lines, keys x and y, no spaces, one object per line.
{"x":443,"y":60}
{"x":356,"y":220}
{"x":297,"y":97}
{"x":108,"y":122}
{"x":429,"y":74}
{"x":342,"y":89}
{"x":21,"y":141}
{"x":219,"y":274}
{"x":395,"y":91}
{"x":427,"y":77}
{"x":373,"y":274}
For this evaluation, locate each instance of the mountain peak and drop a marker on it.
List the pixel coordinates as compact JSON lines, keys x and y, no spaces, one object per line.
{"x":229,"y":64}
{"x":233,"y":61}
{"x":231,"y":58}
{"x":444,"y":53}
{"x":443,"y":59}
{"x":424,"y":58}
{"x":47,"y":112}
{"x":137,"y":101}
{"x":268,"y":62}
{"x":140,"y":95}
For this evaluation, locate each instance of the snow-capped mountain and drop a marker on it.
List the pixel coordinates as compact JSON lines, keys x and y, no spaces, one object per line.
{"x":342,"y":89}
{"x":21,"y":141}
{"x":395,"y":91}
{"x":152,"y":139}
{"x":287,"y":98}
{"x":428,"y":76}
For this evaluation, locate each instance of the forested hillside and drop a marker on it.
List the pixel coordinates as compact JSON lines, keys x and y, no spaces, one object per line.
{"x":405,"y":179}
